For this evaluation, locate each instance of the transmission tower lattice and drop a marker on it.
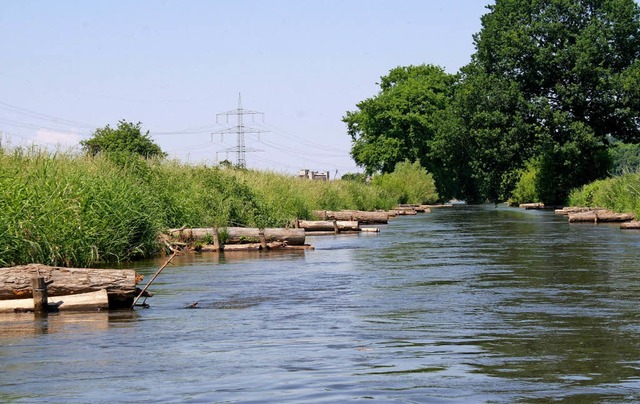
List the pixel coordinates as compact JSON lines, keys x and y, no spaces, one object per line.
{"x":240,"y":130}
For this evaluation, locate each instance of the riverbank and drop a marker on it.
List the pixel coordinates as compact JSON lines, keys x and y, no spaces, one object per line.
{"x":62,"y":209}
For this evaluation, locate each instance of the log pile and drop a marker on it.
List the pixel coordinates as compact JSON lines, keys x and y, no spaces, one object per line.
{"x":120,"y":284}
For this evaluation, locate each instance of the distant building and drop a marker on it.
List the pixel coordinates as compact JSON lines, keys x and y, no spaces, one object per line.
{"x":314,"y":175}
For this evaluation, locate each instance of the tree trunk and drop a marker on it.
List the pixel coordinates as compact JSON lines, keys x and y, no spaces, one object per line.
{"x":84,"y":301}
{"x":357,"y":215}
{"x":240,"y":235}
{"x":633,"y":225}
{"x":600,"y":216}
{"x":120,"y":284}
{"x":327,"y":225}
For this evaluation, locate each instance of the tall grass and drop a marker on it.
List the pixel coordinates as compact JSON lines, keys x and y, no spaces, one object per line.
{"x":70,"y":210}
{"x":620,"y":194}
{"x":64,"y":210}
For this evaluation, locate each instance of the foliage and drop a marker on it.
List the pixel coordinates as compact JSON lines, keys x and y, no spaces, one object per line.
{"x":525,"y":190}
{"x":398,"y":123}
{"x":408,"y":183}
{"x":126,"y":139}
{"x":357,"y":177}
{"x":551,"y":80}
{"x":626,"y":158}
{"x":620,"y":194}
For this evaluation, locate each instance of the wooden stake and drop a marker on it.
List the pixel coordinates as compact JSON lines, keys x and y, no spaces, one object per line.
{"x":40,"y":301}
{"x":216,"y":239}
{"x":263,"y":240}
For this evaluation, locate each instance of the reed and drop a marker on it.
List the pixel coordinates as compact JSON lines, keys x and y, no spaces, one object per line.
{"x":71,"y":210}
{"x":619,"y":194}
{"x":61,"y":209}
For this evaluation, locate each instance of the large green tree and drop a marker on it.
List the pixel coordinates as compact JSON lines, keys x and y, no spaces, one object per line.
{"x":398,"y":123}
{"x":127,"y":138}
{"x":551,"y":81}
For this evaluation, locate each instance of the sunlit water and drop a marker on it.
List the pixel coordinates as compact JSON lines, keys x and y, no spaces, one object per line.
{"x":460,"y":305}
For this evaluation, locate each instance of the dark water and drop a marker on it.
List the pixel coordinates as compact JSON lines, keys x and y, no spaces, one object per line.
{"x":460,"y":305}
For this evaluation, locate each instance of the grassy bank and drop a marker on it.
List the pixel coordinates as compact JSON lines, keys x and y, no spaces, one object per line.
{"x":64,"y":209}
{"x":620,"y":194}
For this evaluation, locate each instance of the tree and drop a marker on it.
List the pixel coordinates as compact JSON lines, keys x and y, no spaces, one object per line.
{"x":397,"y":124}
{"x":551,"y":80}
{"x":126,"y":138}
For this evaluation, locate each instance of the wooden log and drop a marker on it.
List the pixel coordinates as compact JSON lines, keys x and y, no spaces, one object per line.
{"x":274,"y":245}
{"x":600,"y":216}
{"x":632,"y":225}
{"x":327,"y":225}
{"x":238,"y":235}
{"x":353,"y":215}
{"x":404,"y":212}
{"x":535,"y":205}
{"x":98,"y":300}
{"x":370,"y":230}
{"x":573,"y":209}
{"x":15,"y":282}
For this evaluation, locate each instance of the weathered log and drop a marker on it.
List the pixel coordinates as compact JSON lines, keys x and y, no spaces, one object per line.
{"x":238,"y":235}
{"x":600,"y":216}
{"x":98,"y":300}
{"x":535,"y":205}
{"x":120,"y":284}
{"x":573,"y":209}
{"x":328,"y":225}
{"x":404,"y":212}
{"x":274,"y":245}
{"x":632,"y":225}
{"x":357,"y":215}
{"x":370,"y":230}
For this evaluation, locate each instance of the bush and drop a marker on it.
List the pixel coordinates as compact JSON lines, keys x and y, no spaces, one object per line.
{"x":408,"y":183}
{"x":620,"y":194}
{"x":525,"y":190}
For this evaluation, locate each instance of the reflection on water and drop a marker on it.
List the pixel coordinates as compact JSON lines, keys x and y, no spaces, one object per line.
{"x":469,"y":304}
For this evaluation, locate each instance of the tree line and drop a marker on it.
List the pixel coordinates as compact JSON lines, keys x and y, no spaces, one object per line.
{"x":552,"y":88}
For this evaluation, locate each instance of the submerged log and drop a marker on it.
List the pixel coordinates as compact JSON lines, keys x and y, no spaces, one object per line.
{"x":600,"y":216}
{"x":357,"y":215}
{"x":239,"y":235}
{"x":328,"y":225}
{"x":84,"y":301}
{"x":120,"y":284}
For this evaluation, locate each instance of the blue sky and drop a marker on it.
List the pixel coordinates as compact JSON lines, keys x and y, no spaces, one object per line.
{"x":69,"y":67}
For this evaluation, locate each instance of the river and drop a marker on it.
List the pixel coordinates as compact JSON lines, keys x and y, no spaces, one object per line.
{"x":465,"y":304}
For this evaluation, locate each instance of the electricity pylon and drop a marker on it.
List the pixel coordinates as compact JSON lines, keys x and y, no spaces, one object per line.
{"x":240,"y":130}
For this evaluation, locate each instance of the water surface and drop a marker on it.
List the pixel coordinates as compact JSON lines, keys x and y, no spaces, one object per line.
{"x":466,"y":304}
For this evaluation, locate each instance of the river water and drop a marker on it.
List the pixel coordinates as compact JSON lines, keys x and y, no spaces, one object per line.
{"x":465,"y":304}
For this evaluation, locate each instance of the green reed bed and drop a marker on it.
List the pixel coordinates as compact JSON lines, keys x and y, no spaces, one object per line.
{"x":71,"y":210}
{"x":620,"y":194}
{"x":59,"y":209}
